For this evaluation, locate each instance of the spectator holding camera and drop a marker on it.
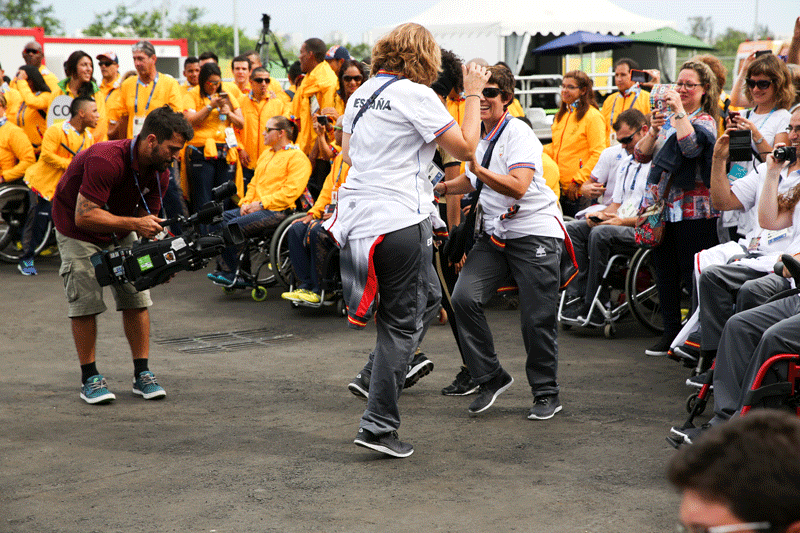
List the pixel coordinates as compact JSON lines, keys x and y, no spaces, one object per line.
{"x":680,"y":145}
{"x":579,"y":136}
{"x":212,"y":114}
{"x":315,"y":93}
{"x":109,"y":194}
{"x":629,"y":95}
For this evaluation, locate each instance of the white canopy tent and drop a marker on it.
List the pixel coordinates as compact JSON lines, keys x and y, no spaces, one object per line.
{"x":501,"y":30}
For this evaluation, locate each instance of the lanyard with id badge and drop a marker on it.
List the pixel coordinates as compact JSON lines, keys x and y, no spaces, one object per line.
{"x":138,"y":121}
{"x":331,"y":207}
{"x":769,"y":237}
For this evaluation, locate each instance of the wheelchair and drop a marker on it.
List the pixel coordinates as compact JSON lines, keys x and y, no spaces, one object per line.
{"x":629,"y":280}
{"x":15,"y":202}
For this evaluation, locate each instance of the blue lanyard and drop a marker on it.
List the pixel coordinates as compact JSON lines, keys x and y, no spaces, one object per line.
{"x":66,"y":128}
{"x":614,"y":105}
{"x":136,"y":178}
{"x":3,"y":121}
{"x":627,"y":169}
{"x":136,"y":97}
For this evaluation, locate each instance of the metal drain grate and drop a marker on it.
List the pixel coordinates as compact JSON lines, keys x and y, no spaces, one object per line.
{"x":233,"y":341}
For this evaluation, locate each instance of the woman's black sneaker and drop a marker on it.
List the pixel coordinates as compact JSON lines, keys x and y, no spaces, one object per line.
{"x":388,"y":443}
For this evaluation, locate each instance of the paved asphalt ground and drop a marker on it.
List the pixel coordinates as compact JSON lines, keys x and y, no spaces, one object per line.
{"x":256,"y":431}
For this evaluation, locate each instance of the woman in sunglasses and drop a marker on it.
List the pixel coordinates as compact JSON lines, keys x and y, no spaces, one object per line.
{"x":352,"y":74}
{"x":680,"y":144}
{"x":212,"y":114}
{"x":579,"y":136}
{"x":521,"y":235}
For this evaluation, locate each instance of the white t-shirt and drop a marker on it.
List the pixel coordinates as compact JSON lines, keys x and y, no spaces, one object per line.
{"x":387,"y":187}
{"x":605,"y":170}
{"x":631,"y":182}
{"x":769,"y":125}
{"x":748,"y":191}
{"x":517,"y":147}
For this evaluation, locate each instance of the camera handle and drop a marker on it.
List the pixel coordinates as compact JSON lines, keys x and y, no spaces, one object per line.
{"x":266,"y":34}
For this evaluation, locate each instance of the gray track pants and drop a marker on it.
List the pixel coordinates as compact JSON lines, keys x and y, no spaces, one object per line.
{"x":409,"y":295}
{"x":534,"y":264}
{"x":748,"y":340}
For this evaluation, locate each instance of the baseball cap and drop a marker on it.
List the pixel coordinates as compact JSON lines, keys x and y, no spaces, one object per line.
{"x":337,"y":52}
{"x":111,"y":56}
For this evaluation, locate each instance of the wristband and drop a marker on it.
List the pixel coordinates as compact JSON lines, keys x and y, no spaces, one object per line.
{"x":444,"y":183}
{"x":467,"y":96}
{"x":208,"y":106}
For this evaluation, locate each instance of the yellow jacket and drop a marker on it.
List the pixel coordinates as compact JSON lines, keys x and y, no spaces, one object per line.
{"x":280,"y":178}
{"x":551,"y":174}
{"x":100,"y":132}
{"x":515,"y":109}
{"x":61,"y":142}
{"x":29,"y":117}
{"x":320,"y":83}
{"x":13,"y":101}
{"x":616,"y":103}
{"x":338,"y":103}
{"x":256,"y":114}
{"x":107,"y":89}
{"x":123,"y":102}
{"x":577,"y":145}
{"x":16,"y":152}
{"x":212,"y":128}
{"x":336,"y":177}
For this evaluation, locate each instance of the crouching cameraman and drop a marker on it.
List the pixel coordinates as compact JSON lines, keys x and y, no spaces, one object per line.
{"x":109,"y":194}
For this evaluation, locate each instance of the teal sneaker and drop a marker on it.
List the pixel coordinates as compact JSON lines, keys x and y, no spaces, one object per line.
{"x":146,"y":386}
{"x":95,"y":391}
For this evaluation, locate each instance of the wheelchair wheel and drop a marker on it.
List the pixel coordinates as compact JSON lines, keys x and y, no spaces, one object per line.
{"x":279,"y":251}
{"x":259,"y":294}
{"x":691,"y":401}
{"x":14,"y":203}
{"x":640,"y":288}
{"x":260,"y":265}
{"x":341,"y":307}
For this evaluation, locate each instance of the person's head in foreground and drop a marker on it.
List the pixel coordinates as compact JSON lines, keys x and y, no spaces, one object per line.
{"x":741,"y":476}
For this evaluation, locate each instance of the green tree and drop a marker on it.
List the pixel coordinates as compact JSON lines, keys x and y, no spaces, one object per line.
{"x":28,"y":13}
{"x":358,"y":51}
{"x":727,"y":43}
{"x":121,"y":22}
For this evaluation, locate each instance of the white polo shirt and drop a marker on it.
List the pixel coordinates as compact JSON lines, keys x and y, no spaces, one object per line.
{"x":391,"y":146}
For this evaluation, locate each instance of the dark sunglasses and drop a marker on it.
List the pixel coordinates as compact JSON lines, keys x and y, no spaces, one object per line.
{"x":761,"y":84}
{"x":492,"y":92}
{"x":260,"y":80}
{"x":626,"y":140}
{"x":352,"y":78}
{"x":105,"y":63}
{"x":32,"y":51}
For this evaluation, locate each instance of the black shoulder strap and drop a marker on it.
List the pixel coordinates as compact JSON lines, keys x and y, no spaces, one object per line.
{"x":370,"y":100}
{"x":487,"y":158}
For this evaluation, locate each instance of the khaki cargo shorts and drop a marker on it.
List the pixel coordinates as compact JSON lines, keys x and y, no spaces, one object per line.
{"x":84,"y":294}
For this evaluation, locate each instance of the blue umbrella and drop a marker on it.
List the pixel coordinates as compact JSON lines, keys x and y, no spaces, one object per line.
{"x":580,"y":42}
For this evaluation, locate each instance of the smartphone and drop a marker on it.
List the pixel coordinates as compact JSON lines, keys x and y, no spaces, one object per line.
{"x":323,"y":120}
{"x":595,"y":219}
{"x":733,"y":114}
{"x":223,"y":95}
{"x":640,"y":76}
{"x":763,"y":52}
{"x":740,"y":148}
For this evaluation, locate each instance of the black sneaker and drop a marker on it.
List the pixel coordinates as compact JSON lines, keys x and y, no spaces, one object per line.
{"x":659,"y":349}
{"x":420,"y":366}
{"x":698,"y":381}
{"x":489,"y":392}
{"x":360,"y":385}
{"x":691,"y":434}
{"x":596,"y":320}
{"x":388,"y":443}
{"x":544,"y":407}
{"x":462,"y":385}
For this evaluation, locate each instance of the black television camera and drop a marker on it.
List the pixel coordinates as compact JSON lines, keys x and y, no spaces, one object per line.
{"x":149,"y":263}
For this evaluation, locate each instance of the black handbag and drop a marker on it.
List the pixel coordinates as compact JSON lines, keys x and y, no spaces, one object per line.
{"x":456,"y":245}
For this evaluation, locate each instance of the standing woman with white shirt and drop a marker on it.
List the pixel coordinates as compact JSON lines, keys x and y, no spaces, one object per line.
{"x":522,"y":235}
{"x":384,"y":213}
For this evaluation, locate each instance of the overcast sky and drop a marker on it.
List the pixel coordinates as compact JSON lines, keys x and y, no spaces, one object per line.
{"x":353,"y":17}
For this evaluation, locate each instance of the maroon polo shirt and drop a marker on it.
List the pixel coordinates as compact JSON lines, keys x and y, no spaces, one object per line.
{"x":107,"y":174}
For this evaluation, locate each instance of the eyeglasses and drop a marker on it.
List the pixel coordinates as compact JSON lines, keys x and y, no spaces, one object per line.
{"x":492,"y":92}
{"x":32,"y":51}
{"x":761,"y":84}
{"x":261,"y":80}
{"x":733,"y":528}
{"x":352,"y":78}
{"x":213,"y":82}
{"x":796,"y":129}
{"x":570,"y":87}
{"x":105,"y":63}
{"x":689,"y":86}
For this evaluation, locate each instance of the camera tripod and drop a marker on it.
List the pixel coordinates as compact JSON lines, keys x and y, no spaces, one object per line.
{"x":263,"y":40}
